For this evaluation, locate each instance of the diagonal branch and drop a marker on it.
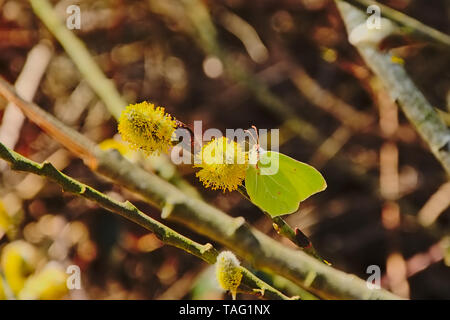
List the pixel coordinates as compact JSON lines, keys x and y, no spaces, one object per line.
{"x":401,"y":88}
{"x":76,"y":49}
{"x":283,"y":228}
{"x":411,"y":25}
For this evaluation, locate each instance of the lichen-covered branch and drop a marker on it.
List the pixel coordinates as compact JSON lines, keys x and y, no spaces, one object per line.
{"x":401,"y":88}
{"x":252,"y":245}
{"x":127,"y":210}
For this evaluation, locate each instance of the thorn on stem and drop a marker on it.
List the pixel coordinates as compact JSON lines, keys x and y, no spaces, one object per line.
{"x":302,"y":239}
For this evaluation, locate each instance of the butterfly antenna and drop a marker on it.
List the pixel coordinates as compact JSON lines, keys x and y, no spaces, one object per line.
{"x":251,"y":135}
{"x":257,"y":144}
{"x":257,"y":135}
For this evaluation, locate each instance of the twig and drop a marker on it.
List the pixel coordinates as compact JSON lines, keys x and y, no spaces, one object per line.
{"x":78,"y":52}
{"x":322,"y":98}
{"x":26,"y":85}
{"x":413,"y":26}
{"x":127,"y":210}
{"x":435,"y":205}
{"x":402,"y":90}
{"x":331,"y":146}
{"x":283,"y":228}
{"x":244,"y":32}
{"x":262,"y":251}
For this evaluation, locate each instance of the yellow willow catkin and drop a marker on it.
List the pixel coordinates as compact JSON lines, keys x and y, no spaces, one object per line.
{"x":228,"y":272}
{"x":146,"y":127}
{"x":223,"y":164}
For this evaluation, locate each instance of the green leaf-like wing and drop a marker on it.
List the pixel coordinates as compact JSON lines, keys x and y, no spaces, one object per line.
{"x":280,"y":183}
{"x":306,"y":179}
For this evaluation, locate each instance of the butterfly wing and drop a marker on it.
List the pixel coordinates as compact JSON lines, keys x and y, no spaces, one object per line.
{"x":306,"y":179}
{"x":279,"y":183}
{"x":272,"y":193}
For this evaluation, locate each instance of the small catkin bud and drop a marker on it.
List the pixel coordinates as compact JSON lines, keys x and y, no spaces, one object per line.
{"x":228,"y":272}
{"x":147,"y":127}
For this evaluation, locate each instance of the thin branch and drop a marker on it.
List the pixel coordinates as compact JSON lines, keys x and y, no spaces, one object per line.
{"x":283,"y":228}
{"x":435,"y":206}
{"x":78,"y":52}
{"x":26,"y":85}
{"x":322,"y":98}
{"x":402,"y":90}
{"x":127,"y":210}
{"x":413,"y":26}
{"x":252,"y":245}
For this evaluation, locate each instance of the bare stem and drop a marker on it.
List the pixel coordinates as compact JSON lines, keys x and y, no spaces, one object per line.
{"x":412,"y":25}
{"x":283,"y":228}
{"x":78,"y":52}
{"x":402,"y":90}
